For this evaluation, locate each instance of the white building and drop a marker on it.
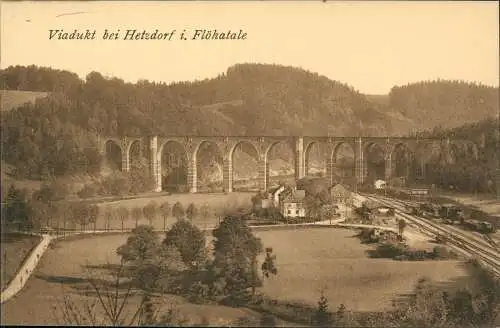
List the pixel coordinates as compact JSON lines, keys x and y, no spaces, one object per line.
{"x":293,"y":206}
{"x":379,"y":184}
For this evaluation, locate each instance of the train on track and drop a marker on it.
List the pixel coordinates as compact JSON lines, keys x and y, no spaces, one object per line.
{"x":480,"y":226}
{"x":450,"y":214}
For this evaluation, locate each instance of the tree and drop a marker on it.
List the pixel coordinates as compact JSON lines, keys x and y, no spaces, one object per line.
{"x":109,"y":215}
{"x":313,"y":206}
{"x":150,"y":211}
{"x":53,"y":215}
{"x":269,"y":265}
{"x":60,"y":210}
{"x":191,"y":212}
{"x":142,"y":245}
{"x":327,"y":212}
{"x":115,"y":300}
{"x":178,"y":211}
{"x":235,"y":255}
{"x":165,"y":213}
{"x":401,"y":226}
{"x":17,"y":209}
{"x":93,"y":214}
{"x":53,"y":190}
{"x":80,"y":214}
{"x":268,"y":320}
{"x":137,"y":215}
{"x":39,"y":213}
{"x":123,"y":214}
{"x":313,"y":186}
{"x":322,"y":315}
{"x":205,"y":211}
{"x":189,"y":240}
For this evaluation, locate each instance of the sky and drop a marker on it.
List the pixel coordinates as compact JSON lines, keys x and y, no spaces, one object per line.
{"x":370,"y":46}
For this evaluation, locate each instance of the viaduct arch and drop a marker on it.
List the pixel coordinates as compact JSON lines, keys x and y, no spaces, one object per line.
{"x":300,"y":145}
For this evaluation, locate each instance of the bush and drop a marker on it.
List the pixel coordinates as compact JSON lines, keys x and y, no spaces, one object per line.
{"x":116,"y":184}
{"x":368,"y":235}
{"x":182,"y":188}
{"x":237,"y":299}
{"x":89,"y":191}
{"x":141,"y":181}
{"x":443,"y":253}
{"x":388,"y":251}
{"x":52,"y":190}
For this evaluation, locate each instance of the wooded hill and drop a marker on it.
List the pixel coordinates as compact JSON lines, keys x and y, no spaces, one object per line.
{"x":56,"y":134}
{"x":466,"y":172}
{"x":448,"y":104}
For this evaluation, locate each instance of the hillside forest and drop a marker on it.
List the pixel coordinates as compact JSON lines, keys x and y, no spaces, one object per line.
{"x":56,"y":134}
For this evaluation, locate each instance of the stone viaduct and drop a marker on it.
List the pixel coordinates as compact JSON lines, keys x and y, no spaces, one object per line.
{"x":300,"y":145}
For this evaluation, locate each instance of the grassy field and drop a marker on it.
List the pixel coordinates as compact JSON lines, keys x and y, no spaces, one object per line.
{"x":325,"y":258}
{"x":334,"y":260}
{"x":63,"y":268}
{"x":15,"y":248}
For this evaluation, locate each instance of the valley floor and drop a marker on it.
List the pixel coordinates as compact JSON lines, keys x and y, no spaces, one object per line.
{"x":325,"y":258}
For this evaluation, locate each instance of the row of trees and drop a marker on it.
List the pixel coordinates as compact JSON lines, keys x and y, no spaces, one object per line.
{"x":46,"y":209}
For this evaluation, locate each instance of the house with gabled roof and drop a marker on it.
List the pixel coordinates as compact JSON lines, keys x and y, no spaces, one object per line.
{"x":340,"y":194}
{"x":292,"y":205}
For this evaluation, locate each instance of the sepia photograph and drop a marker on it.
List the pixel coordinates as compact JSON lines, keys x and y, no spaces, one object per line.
{"x":250,"y":163}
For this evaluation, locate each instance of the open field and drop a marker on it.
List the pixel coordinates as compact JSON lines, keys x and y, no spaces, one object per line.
{"x":335,"y":260}
{"x":63,"y":268}
{"x":331,"y":258}
{"x":15,"y":248}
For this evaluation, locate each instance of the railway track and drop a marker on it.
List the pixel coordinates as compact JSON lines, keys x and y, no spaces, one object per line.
{"x":480,"y":238}
{"x":487,"y":254}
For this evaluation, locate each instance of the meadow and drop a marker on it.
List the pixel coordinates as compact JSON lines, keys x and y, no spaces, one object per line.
{"x":308,"y":260}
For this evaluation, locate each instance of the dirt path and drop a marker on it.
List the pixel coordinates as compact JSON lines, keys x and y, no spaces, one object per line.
{"x":26,"y":269}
